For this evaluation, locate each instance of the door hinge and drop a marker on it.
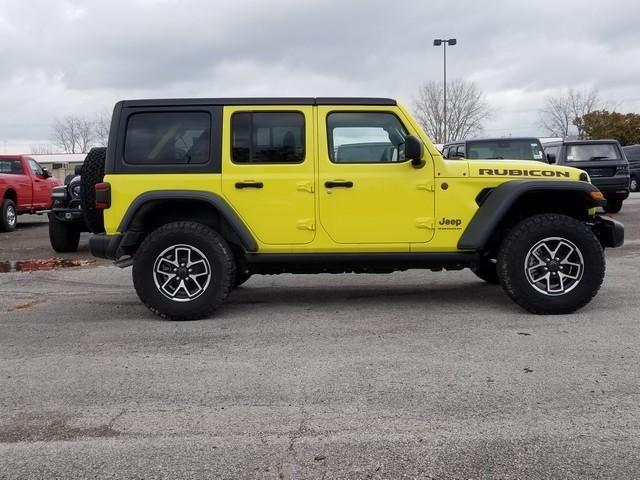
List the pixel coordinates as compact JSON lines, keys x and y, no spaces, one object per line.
{"x":305,"y":187}
{"x":425,"y":222}
{"x":306,"y":224}
{"x":428,"y":186}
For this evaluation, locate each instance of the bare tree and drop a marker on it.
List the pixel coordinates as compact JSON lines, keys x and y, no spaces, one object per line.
{"x":42,"y":149}
{"x":73,"y":134}
{"x":466,"y":110}
{"x":561,"y":112}
{"x":101,"y":128}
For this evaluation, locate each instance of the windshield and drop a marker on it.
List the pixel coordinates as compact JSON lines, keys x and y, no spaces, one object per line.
{"x":523,"y":149}
{"x":592,"y":151}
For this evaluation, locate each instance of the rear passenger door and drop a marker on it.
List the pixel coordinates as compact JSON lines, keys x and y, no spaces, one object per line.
{"x":268,"y":171}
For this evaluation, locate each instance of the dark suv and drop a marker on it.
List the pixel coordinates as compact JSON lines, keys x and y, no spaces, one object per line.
{"x":526,"y":148}
{"x":603,"y":160}
{"x":632,"y":152}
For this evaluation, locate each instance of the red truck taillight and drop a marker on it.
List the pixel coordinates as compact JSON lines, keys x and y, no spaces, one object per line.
{"x":103,"y":195}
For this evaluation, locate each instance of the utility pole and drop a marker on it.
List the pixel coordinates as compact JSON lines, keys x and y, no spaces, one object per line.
{"x":444,"y":42}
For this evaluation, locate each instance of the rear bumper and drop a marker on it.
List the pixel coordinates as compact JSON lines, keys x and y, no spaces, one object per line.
{"x":105,"y":246}
{"x":610,"y":232}
{"x":613,"y":187}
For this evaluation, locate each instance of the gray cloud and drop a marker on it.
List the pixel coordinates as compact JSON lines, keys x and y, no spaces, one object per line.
{"x":62,"y":57}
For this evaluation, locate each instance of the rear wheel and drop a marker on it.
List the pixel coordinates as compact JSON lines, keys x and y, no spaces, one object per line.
{"x":63,"y":236}
{"x":551,"y":264}
{"x":613,"y":205}
{"x":8,"y":216}
{"x":92,"y":173}
{"x":183,"y":271}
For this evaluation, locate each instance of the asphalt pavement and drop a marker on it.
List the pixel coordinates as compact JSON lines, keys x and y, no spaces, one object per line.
{"x":409,"y":375}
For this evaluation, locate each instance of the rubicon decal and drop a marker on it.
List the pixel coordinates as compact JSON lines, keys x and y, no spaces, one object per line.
{"x":516,"y":172}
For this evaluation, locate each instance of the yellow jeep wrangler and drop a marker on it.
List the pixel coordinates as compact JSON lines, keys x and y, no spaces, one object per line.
{"x":200,"y":194}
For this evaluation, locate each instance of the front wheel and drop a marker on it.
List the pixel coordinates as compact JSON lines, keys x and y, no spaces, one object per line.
{"x":183,"y":271}
{"x":613,"y":206}
{"x":551,"y":264}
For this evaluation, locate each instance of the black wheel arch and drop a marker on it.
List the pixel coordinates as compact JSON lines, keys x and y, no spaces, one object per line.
{"x":153,"y":209}
{"x":510,"y":202}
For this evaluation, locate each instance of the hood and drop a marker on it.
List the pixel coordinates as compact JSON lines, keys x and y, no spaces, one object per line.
{"x":520,"y":169}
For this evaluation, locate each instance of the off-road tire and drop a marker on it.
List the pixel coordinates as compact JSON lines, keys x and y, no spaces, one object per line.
{"x":92,"y":173}
{"x":215,"y":249}
{"x":634,"y":184}
{"x":613,"y":206}
{"x":518,"y":242}
{"x":63,"y":237}
{"x":6,"y":207}
{"x":486,"y":270}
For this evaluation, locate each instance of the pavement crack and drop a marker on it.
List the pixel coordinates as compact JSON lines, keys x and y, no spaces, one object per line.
{"x":290,"y":451}
{"x":115,"y":418}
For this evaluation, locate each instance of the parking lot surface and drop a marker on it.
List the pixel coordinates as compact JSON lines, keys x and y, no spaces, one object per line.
{"x":410,"y":375}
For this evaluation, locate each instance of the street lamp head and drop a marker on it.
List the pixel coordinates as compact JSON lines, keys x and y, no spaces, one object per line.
{"x":437,"y":42}
{"x":452,"y":42}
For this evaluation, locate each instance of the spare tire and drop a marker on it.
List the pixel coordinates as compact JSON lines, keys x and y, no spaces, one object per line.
{"x":92,"y":173}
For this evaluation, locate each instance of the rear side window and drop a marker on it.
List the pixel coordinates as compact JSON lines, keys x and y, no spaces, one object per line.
{"x":168,"y":138}
{"x":365,"y":137}
{"x":267,"y":137}
{"x":11,"y":166}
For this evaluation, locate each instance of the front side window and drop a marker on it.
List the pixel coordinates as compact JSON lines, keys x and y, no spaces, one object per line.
{"x":11,"y":166}
{"x":593,"y":151}
{"x":365,"y":137}
{"x":35,"y":167}
{"x":267,"y":137}
{"x":168,"y":138}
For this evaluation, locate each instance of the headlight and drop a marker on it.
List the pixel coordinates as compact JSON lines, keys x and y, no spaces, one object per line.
{"x":75,"y":190}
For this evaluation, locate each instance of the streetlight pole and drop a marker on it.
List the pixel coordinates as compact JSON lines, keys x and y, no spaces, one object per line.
{"x":444,"y":42}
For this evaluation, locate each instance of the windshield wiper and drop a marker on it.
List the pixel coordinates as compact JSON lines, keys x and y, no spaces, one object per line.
{"x":495,"y":158}
{"x":601,"y":158}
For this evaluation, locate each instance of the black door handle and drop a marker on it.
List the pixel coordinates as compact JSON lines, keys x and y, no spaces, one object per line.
{"x":338,"y":183}
{"x":249,"y":185}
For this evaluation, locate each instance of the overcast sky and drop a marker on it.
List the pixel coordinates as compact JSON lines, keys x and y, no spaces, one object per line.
{"x":80,"y":57}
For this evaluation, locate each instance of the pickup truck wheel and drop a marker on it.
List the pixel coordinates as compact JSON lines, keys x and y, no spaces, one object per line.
{"x":183,"y":271}
{"x":486,"y":270}
{"x":551,"y":264}
{"x":62,"y":236}
{"x":9,"y":216}
{"x":92,"y":173}
{"x":613,"y":206}
{"x":634,"y":185}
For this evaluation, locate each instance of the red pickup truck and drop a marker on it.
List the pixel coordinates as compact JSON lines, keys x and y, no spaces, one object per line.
{"x":25,"y":187}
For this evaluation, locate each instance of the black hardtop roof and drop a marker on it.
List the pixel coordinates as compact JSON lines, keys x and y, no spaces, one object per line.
{"x":500,"y":139}
{"x":171,"y":102}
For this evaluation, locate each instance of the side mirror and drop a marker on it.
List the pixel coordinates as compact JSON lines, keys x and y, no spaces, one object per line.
{"x":413,"y":150}
{"x":78,"y":169}
{"x":551,"y":157}
{"x":46,"y":173}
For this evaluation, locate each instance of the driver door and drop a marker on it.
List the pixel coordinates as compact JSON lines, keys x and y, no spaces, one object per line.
{"x":368,"y":192}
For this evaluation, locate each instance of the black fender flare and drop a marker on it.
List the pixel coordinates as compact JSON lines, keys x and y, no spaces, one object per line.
{"x":224,"y":209}
{"x":504,"y":196}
